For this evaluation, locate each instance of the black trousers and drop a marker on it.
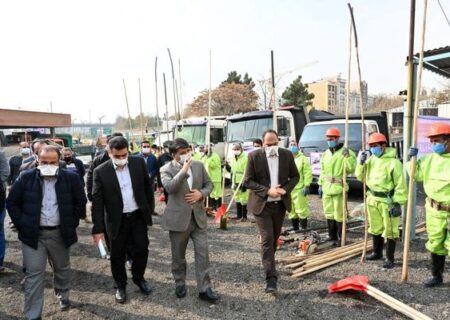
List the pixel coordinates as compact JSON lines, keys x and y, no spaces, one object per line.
{"x":133,"y":229}
{"x":269,"y":223}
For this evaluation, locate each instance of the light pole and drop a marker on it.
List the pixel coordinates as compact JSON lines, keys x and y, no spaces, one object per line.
{"x":100,"y":122}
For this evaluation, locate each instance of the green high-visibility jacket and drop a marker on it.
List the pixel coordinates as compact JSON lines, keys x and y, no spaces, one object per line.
{"x":304,"y":169}
{"x":384,"y":174}
{"x":213,"y":166}
{"x":196,"y":156}
{"x":434,"y":170}
{"x":238,"y":165}
{"x":332,"y":167}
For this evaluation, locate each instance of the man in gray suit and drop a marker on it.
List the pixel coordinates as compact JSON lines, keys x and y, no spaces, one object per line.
{"x":187,"y":184}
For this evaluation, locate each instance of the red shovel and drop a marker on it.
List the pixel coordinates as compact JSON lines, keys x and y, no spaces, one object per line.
{"x":221,"y":216}
{"x":361,"y":283}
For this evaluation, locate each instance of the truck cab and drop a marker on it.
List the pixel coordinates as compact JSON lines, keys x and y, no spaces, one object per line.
{"x":313,"y":143}
{"x":193,"y":130}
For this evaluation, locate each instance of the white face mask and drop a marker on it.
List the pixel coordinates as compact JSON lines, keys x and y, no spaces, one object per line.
{"x":48,"y":170}
{"x":120,"y":162}
{"x":25,"y":151}
{"x":184,"y":157}
{"x":146,"y":150}
{"x":271,"y":150}
{"x":237,"y":152}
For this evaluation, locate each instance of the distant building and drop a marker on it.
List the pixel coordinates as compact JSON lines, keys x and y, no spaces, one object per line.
{"x":330,"y":95}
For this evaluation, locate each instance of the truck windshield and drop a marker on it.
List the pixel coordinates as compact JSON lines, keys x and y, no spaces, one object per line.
{"x":194,"y":135}
{"x":247,"y":130}
{"x":313,"y":136}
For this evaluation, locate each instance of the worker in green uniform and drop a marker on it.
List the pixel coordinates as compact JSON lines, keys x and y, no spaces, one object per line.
{"x":386,"y":187}
{"x":237,"y":169}
{"x":434,"y":170}
{"x":196,"y":155}
{"x":330,"y":181}
{"x":213,"y":166}
{"x":299,"y":213}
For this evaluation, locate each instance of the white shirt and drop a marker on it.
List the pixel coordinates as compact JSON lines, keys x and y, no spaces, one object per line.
{"x":190,"y":179}
{"x":126,"y":189}
{"x":49,"y":207}
{"x":273,"y":162}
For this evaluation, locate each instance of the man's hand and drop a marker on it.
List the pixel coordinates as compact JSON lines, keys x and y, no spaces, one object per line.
{"x":193,"y":196}
{"x":187,"y":165}
{"x":280,"y":190}
{"x":97,"y":237}
{"x":273,"y":192}
{"x":362,"y":157}
{"x":345,"y":152}
{"x":413,"y":151}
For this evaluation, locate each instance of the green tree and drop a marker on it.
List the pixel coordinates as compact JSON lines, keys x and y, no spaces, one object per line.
{"x":234,"y":77}
{"x":297,"y":94}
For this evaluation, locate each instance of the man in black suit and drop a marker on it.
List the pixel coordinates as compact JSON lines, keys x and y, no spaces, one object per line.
{"x":121,"y":206}
{"x":271,"y":175}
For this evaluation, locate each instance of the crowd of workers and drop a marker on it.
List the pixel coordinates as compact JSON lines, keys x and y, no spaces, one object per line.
{"x":47,"y":192}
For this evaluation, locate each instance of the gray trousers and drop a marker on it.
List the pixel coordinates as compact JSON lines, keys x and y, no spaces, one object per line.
{"x":179,"y":242}
{"x":51,"y":246}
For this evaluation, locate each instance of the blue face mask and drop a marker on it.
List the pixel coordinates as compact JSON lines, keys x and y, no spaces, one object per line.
{"x":439,"y":148}
{"x":376,"y":151}
{"x":294,"y":149}
{"x":332,"y":143}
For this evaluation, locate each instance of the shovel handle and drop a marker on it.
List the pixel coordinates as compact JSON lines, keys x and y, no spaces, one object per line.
{"x":396,"y":304}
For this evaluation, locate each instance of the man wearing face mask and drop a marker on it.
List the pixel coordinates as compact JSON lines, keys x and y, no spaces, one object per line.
{"x":237,"y":169}
{"x":150,"y":161}
{"x":386,"y":193}
{"x":257,"y":144}
{"x":32,"y":161}
{"x":15,"y":162}
{"x":330,"y":181}
{"x":299,"y":213}
{"x":270,"y":175}
{"x":188,"y":184}
{"x":164,"y":158}
{"x":45,"y":204}
{"x":73,"y":164}
{"x":434,"y":171}
{"x":122,"y":197}
{"x":213,"y":166}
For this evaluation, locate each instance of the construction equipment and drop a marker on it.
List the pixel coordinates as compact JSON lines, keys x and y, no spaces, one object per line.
{"x":361,"y":283}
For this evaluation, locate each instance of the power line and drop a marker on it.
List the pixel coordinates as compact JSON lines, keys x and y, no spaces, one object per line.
{"x":443,"y":11}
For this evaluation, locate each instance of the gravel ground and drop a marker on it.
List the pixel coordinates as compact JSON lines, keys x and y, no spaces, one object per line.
{"x":237,"y":275}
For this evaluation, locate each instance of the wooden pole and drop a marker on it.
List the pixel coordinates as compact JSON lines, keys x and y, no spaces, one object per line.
{"x":274,"y":96}
{"x":128,"y":107}
{"x":177,"y":113}
{"x":363,"y":135}
{"x":409,"y":210}
{"x":141,"y":114}
{"x":165,"y":99}
{"x":156,"y":101}
{"x":347,"y":107}
{"x":208,"y":124}
{"x":180,"y":107}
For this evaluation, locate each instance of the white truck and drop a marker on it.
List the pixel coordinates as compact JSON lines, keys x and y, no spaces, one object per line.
{"x":193,"y":130}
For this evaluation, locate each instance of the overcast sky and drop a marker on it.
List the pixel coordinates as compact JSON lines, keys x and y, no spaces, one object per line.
{"x":75,"y":53}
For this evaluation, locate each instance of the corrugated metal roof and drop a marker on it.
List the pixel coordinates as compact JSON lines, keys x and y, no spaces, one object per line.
{"x":437,"y":60}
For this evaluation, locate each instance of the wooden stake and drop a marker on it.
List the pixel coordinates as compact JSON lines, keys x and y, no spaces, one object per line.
{"x":156,"y":98}
{"x":347,"y":107}
{"x":128,"y":107}
{"x":363,"y":135}
{"x":412,"y":172}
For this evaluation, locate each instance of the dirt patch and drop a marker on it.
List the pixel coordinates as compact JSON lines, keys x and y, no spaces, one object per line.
{"x":237,"y":276}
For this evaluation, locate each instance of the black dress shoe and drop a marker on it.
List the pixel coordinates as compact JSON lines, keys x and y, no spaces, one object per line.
{"x":121,"y":295}
{"x":64,"y":304}
{"x":271,"y":285}
{"x":209,"y":295}
{"x":181,"y":290}
{"x":144,"y":287}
